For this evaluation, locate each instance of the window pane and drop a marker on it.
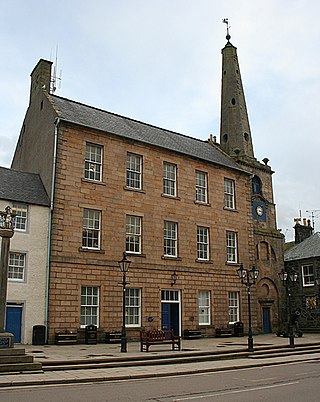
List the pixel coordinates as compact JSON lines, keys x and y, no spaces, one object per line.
{"x":16,"y":268}
{"x":133,"y":234}
{"x":133,"y":171}
{"x":307,"y":275}
{"x":203,"y":243}
{"x":232,"y":247}
{"x":229,"y":199}
{"x":169,"y":179}
{"x":201,"y":187}
{"x":89,"y":314}
{"x":93,"y":162}
{"x":133,"y":307}
{"x":91,"y":229}
{"x":21,"y":212}
{"x":204,"y":307}
{"x":170,"y":239}
{"x":233,"y":307}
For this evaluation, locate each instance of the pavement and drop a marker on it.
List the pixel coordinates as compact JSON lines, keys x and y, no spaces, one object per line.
{"x":65,"y":364}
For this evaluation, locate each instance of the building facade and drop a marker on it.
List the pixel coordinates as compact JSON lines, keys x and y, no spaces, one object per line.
{"x":304,"y":259}
{"x":182,"y":209}
{"x":28,"y":256}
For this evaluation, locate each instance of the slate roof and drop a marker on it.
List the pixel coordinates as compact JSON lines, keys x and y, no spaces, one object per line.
{"x":89,"y":116}
{"x":22,"y":187}
{"x":309,"y":248}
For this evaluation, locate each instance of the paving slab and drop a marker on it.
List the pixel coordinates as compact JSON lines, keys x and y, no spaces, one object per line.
{"x":65,"y":353}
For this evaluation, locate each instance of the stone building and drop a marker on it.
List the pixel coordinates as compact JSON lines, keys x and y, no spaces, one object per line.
{"x":304,"y":258}
{"x":186,"y":212}
{"x":28,"y":269}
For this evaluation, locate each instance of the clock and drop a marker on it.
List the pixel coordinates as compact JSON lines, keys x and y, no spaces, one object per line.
{"x":259,"y":210}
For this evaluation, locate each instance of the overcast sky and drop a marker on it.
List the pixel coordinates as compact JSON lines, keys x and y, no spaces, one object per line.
{"x":160,"y":62}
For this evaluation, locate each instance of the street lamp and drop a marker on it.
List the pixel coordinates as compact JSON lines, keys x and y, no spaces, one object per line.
{"x":289,"y":277}
{"x":248,"y":278}
{"x":124,"y":265}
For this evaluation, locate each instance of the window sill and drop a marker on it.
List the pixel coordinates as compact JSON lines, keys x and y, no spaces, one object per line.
{"x":168,"y":257}
{"x":91,"y":250}
{"x":205,"y":204}
{"x":136,"y":190}
{"x":135,"y":254}
{"x":173,"y":197}
{"x":232,"y":263}
{"x":230,"y":209}
{"x":101,"y":183}
{"x":204,"y":261}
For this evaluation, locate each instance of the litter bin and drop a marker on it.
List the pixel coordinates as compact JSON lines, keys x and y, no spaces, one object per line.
{"x":91,"y":334}
{"x":38,"y":335}
{"x":238,"y":328}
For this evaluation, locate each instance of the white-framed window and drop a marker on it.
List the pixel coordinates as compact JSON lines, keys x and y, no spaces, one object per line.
{"x":133,"y":234}
{"x":229,"y":194}
{"x":93,"y":162}
{"x":201,"y":187}
{"x":169,"y":179}
{"x":203,"y":243}
{"x":170,"y":239}
{"x":134,"y":171}
{"x":16,"y":266}
{"x":91,"y":229}
{"x":133,"y":307}
{"x":89,"y":306}
{"x":233,"y":307}
{"x":204,"y":307}
{"x":232,"y":247}
{"x":21,"y":219}
{"x":307,"y":275}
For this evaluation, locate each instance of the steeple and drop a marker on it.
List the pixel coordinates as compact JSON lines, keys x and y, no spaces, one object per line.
{"x":235,"y":134}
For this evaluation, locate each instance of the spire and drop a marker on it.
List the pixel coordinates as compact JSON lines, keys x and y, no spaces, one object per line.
{"x":235,"y":135}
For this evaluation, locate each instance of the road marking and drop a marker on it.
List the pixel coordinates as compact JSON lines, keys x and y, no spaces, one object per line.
{"x":190,"y":398}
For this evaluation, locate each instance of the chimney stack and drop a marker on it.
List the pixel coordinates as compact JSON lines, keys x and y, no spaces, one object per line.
{"x":302,"y":232}
{"x":40,"y":78}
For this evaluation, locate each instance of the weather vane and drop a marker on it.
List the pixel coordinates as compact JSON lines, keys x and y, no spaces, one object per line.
{"x":226,"y":21}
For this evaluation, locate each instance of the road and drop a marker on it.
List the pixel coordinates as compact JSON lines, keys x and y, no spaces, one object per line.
{"x":297,"y":382}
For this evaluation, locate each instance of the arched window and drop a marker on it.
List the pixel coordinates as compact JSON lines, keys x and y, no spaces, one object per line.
{"x":256,"y":185}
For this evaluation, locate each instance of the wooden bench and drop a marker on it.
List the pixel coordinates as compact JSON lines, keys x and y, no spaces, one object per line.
{"x":66,"y":336}
{"x":223,"y":332}
{"x":158,"y":337}
{"x":192,"y":334}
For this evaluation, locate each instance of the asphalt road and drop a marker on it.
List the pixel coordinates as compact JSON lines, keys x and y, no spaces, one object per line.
{"x":299,"y":382}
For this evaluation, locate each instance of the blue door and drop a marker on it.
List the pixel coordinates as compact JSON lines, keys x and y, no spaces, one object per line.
{"x":266,"y":320}
{"x":13,"y":322}
{"x":170,"y":317}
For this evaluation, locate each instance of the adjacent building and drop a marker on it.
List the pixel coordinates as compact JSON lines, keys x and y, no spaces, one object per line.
{"x":28,"y":257}
{"x":304,"y":258}
{"x":186,"y":212}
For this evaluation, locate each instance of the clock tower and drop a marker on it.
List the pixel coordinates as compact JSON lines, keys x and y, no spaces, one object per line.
{"x":236,"y":141}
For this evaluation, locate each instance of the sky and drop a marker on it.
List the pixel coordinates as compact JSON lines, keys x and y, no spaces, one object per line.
{"x":160,"y":62}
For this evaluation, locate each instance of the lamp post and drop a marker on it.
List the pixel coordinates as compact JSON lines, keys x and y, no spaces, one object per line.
{"x":289,"y":277}
{"x":7,"y":220}
{"x":124,"y":265}
{"x":248,"y":278}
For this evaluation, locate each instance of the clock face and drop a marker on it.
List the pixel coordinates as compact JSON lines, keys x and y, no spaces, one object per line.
{"x":259,"y":210}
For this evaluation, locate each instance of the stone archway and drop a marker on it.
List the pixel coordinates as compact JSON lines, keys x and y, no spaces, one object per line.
{"x":267,"y":296}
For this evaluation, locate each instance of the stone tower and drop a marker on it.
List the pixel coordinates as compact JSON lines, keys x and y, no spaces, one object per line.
{"x":236,"y":141}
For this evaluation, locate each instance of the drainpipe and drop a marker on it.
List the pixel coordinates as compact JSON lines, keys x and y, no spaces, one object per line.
{"x":56,"y":130}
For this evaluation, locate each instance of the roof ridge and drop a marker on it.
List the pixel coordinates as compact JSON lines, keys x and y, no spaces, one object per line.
{"x":128,"y":118}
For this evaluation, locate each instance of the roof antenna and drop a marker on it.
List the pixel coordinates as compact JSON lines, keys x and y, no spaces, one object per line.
{"x":226,"y":21}
{"x":55,"y":78}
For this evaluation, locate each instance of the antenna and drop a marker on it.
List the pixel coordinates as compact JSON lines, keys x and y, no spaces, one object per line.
{"x":314,"y":215}
{"x":55,"y":78}
{"x":226,"y":21}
